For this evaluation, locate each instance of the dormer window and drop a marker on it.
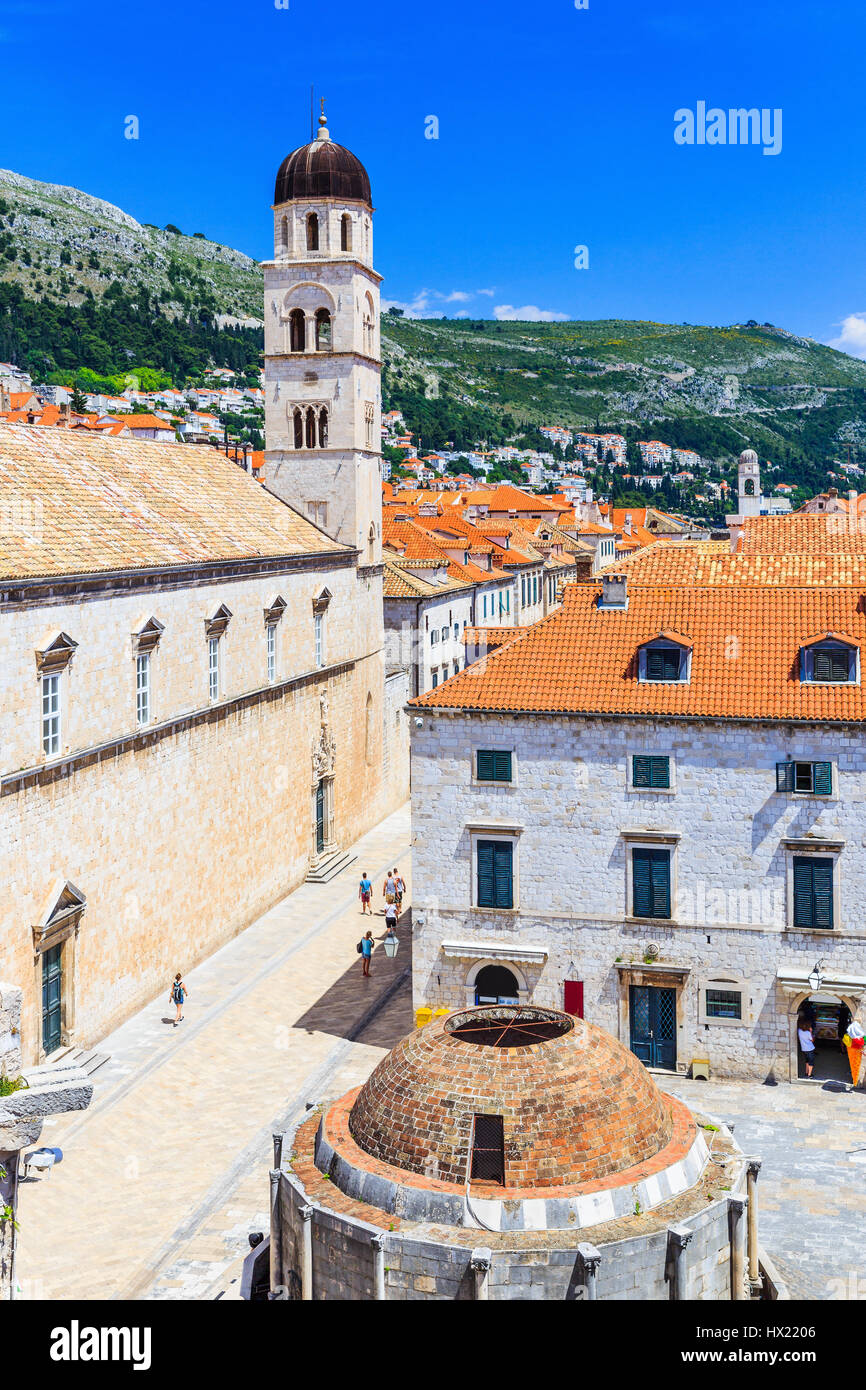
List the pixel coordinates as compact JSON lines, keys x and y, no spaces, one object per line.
{"x":665,"y":661}
{"x":830,"y":660}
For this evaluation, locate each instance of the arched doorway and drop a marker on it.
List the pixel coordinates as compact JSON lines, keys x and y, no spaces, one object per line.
{"x":828,"y":1015}
{"x":495,"y":984}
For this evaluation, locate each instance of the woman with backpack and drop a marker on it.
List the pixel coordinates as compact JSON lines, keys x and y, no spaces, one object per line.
{"x":179,"y":993}
{"x":365,"y":946}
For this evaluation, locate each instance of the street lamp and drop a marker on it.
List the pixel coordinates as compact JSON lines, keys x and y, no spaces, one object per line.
{"x":816,"y":978}
{"x":390,"y":943}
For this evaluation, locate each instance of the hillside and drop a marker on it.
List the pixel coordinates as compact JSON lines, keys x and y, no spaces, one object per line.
{"x":712,"y":389}
{"x":84,"y":285}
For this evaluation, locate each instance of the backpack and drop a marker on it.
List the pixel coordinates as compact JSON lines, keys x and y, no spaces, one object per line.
{"x":177,"y":992}
{"x":360,"y":948}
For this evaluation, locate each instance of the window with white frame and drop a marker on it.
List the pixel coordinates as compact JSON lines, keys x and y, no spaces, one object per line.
{"x":319,"y":638}
{"x":213,"y":668}
{"x":142,"y":688}
{"x":271,"y":640}
{"x":51,"y":715}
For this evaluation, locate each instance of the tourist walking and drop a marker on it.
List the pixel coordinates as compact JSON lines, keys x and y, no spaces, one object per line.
{"x":367,"y":951}
{"x":179,"y":993}
{"x":391,"y":917}
{"x":806,"y":1040}
{"x":400,"y":889}
{"x":389,"y":888}
{"x":365,"y":893}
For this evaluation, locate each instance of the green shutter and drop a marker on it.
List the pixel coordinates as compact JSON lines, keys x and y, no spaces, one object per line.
{"x":822,"y":779}
{"x":641,"y":772}
{"x":655,"y":666}
{"x":503,"y":875}
{"x":822,"y":893}
{"x":660,"y":772}
{"x":820,"y":666}
{"x":502,"y":767}
{"x":784,"y":777}
{"x":813,"y":893}
{"x":486,"y":894}
{"x":485,"y":765}
{"x":651,"y":883}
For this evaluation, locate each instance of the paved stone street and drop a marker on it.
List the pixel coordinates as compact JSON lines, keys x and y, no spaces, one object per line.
{"x":167,"y":1171}
{"x":812,"y":1186}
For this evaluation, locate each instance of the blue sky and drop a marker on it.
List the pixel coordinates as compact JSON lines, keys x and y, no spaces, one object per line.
{"x":556,"y":130}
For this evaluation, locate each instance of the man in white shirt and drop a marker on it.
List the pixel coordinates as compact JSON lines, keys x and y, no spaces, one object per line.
{"x":807,"y":1043}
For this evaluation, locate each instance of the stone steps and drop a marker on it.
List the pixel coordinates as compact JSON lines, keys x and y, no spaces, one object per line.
{"x":88,"y":1061}
{"x":326,"y":869}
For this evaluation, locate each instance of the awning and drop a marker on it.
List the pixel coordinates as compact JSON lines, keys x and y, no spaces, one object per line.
{"x":482,"y":950}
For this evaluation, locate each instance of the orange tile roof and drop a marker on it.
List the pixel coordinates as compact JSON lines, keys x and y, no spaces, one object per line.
{"x":582,"y":659}
{"x":815,"y":533}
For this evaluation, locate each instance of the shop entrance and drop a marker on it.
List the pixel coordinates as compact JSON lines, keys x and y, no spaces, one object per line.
{"x":829,"y":1016}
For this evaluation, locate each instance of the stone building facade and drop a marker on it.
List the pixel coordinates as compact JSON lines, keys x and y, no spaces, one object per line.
{"x":688,"y":879}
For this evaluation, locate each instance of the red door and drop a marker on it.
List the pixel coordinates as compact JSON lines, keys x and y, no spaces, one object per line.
{"x":574,"y":998}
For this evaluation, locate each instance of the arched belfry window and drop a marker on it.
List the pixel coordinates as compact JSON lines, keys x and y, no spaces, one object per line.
{"x":284,"y":236}
{"x":297,"y":331}
{"x":345,"y":232}
{"x":311,"y":428}
{"x":299,"y":429}
{"x":323,"y":330}
{"x":323,"y":428}
{"x":312,"y":231}
{"x":749,"y":487}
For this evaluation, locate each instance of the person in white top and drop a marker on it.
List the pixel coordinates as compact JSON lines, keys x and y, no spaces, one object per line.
{"x":807,"y":1043}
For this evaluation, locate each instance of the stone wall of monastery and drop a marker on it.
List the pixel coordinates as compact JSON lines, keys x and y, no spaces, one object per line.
{"x":179,"y":839}
{"x":567,"y":809}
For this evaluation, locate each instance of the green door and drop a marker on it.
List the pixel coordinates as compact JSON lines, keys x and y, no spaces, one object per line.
{"x":52,"y":992}
{"x":653,"y":1019}
{"x":320,"y":818}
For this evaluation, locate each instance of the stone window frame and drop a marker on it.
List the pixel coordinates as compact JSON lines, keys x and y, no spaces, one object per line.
{"x":146,"y":637}
{"x":489,"y":746}
{"x":829,"y":849}
{"x":53,"y":657}
{"x":650,"y":839}
{"x":650,"y":753}
{"x":506,"y":834}
{"x":735,"y":984}
{"x":820,"y":797}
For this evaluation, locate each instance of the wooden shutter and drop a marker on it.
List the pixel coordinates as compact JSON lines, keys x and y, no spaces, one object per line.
{"x":660,"y":772}
{"x":641,"y":771}
{"x":820,"y":666}
{"x":655,"y":665}
{"x":822,"y":893}
{"x":641,"y":884}
{"x":503,"y":874}
{"x":803,"y":893}
{"x":651,"y":883}
{"x":784,"y":777}
{"x":671,"y":665}
{"x":485,"y":765}
{"x":502,"y":767}
{"x":661,"y":883}
{"x":486,"y":894}
{"x":822,"y":779}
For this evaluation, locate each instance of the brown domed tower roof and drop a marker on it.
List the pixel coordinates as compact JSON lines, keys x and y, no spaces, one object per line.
{"x":323,"y":169}
{"x":575,"y":1105}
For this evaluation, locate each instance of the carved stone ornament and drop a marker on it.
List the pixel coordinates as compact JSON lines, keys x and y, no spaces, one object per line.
{"x":324,"y":756}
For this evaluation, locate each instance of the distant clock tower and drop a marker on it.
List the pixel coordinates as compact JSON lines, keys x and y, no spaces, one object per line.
{"x":322,"y":355}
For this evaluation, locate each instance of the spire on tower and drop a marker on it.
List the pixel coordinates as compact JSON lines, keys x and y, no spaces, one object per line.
{"x":323,"y":133}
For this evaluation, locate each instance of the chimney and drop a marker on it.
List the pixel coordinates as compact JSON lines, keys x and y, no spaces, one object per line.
{"x":614,"y":591}
{"x":832,"y":492}
{"x":628,"y":523}
{"x":852,"y":495}
{"x":64,"y":414}
{"x":5,"y":399}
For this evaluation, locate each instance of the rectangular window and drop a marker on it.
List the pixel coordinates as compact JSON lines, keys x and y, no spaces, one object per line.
{"x":435,"y":676}
{"x":508,"y":600}
{"x":523,"y":591}
{"x":651,"y":882}
{"x":488,"y":1149}
{"x":446,"y":631}
{"x":456,"y":632}
{"x":485,"y":605}
{"x":271,"y":634}
{"x":492,"y":765}
{"x":495,"y":873}
{"x":810,"y":778}
{"x":724,"y":1003}
{"x":51,"y":715}
{"x":213,"y":668}
{"x":813,"y":893}
{"x":663,"y":664}
{"x":650,"y":771}
{"x":319,"y":638}
{"x":456,"y":668}
{"x":831,"y":666}
{"x":142,"y":688}
{"x":434,"y":636}
{"x":535,"y":588}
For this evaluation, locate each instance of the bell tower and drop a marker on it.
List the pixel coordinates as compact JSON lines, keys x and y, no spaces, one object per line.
{"x":322,"y":356}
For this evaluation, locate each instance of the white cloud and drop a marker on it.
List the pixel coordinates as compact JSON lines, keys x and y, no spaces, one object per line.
{"x":853,"y":336}
{"x":529,"y":313}
{"x":424,"y":305}
{"x":455,"y":297}
{"x":491,"y":293}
